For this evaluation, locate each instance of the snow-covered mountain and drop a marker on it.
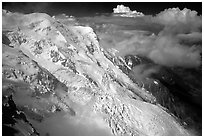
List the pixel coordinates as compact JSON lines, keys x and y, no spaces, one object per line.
{"x":57,"y":80}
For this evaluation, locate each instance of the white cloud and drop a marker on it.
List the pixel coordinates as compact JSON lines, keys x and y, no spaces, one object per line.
{"x":175,"y":15}
{"x":126,"y":12}
{"x":180,"y":21}
{"x":121,"y":9}
{"x":142,"y":71}
{"x":164,"y":50}
{"x":177,"y":44}
{"x":167,"y":51}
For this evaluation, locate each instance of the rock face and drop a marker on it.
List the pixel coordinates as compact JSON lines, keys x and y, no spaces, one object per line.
{"x":50,"y":68}
{"x":173,"y":90}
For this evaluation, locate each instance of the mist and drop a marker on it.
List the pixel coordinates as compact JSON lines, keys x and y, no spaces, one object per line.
{"x":141,"y":72}
{"x":64,"y":125}
{"x":177,"y":44}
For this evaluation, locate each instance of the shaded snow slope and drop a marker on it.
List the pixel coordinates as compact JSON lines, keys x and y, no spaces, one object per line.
{"x":59,"y":73}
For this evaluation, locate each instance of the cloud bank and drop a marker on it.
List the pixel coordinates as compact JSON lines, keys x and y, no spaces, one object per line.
{"x":171,"y":38}
{"x":178,"y":42}
{"x":180,"y":25}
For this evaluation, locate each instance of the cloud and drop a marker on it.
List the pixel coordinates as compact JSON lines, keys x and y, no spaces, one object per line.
{"x":178,"y":21}
{"x":175,"y":44}
{"x":66,"y":19}
{"x":167,"y":51}
{"x":143,"y":71}
{"x":126,"y":12}
{"x":63,"y":16}
{"x":18,"y":20}
{"x":173,"y":16}
{"x":171,"y":38}
{"x":10,"y":20}
{"x":191,"y":38}
{"x":164,"y":50}
{"x":178,"y":42}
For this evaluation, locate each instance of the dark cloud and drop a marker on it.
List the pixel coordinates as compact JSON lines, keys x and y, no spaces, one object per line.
{"x":27,"y":7}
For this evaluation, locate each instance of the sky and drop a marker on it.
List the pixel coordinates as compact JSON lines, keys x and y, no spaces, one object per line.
{"x":89,"y":8}
{"x":175,"y":28}
{"x":167,"y":34}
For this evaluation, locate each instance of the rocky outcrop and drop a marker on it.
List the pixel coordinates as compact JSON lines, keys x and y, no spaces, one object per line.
{"x":52,"y":67}
{"x":14,"y":121}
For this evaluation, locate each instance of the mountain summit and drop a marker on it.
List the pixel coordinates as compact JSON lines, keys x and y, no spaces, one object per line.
{"x":57,"y":80}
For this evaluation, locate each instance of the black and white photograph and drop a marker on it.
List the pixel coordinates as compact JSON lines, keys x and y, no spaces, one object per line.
{"x":101,"y":68}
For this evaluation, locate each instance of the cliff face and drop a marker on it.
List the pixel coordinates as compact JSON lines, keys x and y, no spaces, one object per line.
{"x":59,"y":72}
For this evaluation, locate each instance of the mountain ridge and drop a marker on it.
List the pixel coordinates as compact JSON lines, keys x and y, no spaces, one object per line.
{"x":66,"y":70}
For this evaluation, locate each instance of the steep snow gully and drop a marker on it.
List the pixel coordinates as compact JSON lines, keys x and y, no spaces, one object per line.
{"x":57,"y":80}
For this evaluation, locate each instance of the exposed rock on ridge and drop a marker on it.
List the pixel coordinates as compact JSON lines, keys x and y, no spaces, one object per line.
{"x":62,"y":68}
